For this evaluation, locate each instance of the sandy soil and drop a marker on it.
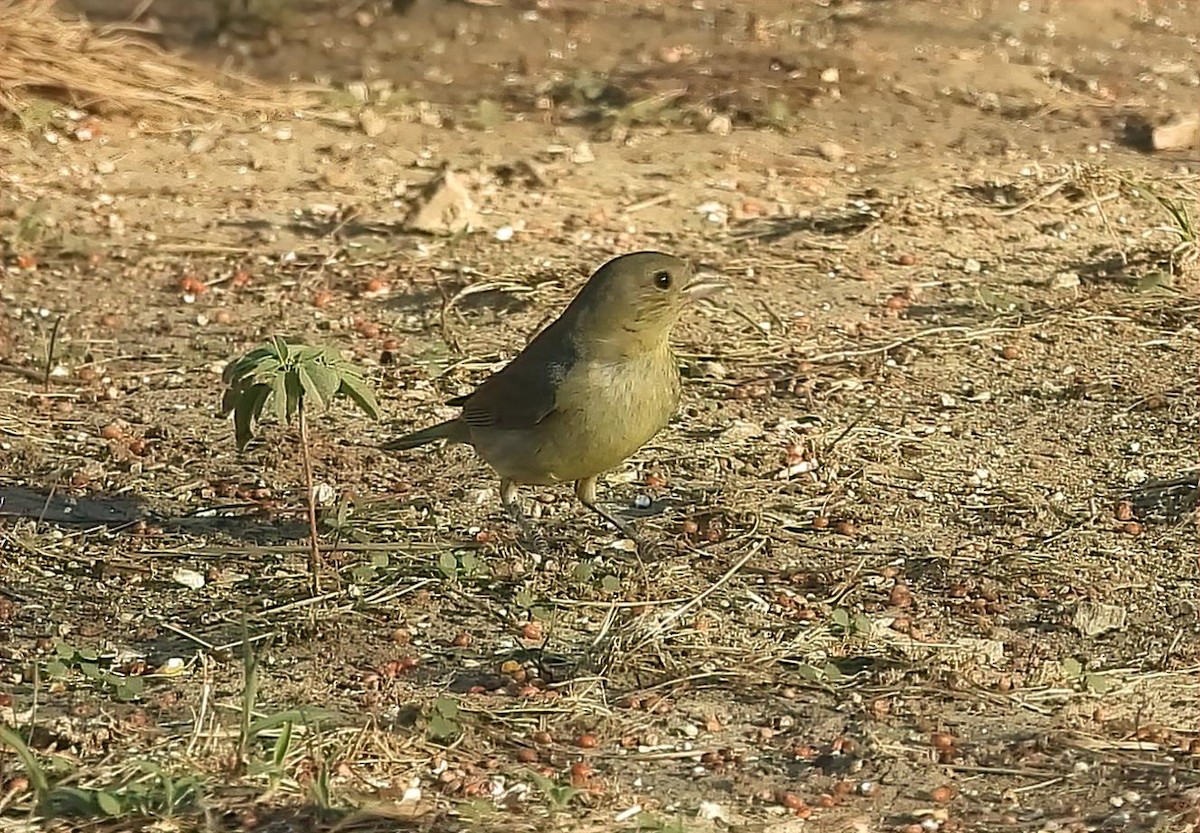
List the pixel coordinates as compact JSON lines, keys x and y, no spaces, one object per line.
{"x":926,"y":520}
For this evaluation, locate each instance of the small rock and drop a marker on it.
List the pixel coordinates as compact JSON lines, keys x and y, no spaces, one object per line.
{"x":711,"y":811}
{"x":830,"y":75}
{"x":443,"y":206}
{"x":720,"y":124}
{"x":831,"y":151}
{"x":372,"y":123}
{"x":202,"y":143}
{"x":1095,"y":618}
{"x":1065,"y":280}
{"x":188,"y":578}
{"x":105,"y":166}
{"x":1177,"y":134}
{"x":582,"y":154}
{"x":972,"y":266}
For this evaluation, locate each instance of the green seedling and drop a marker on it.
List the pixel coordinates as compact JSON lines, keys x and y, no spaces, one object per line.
{"x":287,"y":380}
{"x":467,"y":565}
{"x":1090,"y":681}
{"x":443,"y":721}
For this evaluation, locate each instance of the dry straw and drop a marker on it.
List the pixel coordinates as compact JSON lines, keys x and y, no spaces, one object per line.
{"x":43,"y":55}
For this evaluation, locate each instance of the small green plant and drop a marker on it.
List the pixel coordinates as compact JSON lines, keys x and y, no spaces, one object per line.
{"x":150,"y":791}
{"x":95,"y":667}
{"x":1182,"y":225}
{"x":444,"y":724}
{"x":851,"y":625}
{"x":828,"y":673}
{"x":467,"y":565}
{"x":558,"y":796}
{"x":1091,"y":681}
{"x":586,"y":574}
{"x":286,"y":379}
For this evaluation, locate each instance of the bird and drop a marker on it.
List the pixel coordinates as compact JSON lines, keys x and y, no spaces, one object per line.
{"x":587,"y":391}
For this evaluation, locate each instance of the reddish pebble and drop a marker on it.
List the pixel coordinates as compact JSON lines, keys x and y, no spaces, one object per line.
{"x":943,"y":794}
{"x":587,"y":741}
{"x":941,"y":740}
{"x":900,"y":595}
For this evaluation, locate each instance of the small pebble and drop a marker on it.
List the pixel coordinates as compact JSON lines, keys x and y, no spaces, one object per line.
{"x":831,"y":151}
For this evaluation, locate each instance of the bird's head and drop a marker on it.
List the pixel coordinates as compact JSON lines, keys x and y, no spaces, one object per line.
{"x":632,"y":302}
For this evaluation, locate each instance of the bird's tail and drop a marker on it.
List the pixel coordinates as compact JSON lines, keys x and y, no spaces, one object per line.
{"x":448,"y":430}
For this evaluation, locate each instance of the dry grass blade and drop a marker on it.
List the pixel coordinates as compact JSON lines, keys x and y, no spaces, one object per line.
{"x":48,"y":56}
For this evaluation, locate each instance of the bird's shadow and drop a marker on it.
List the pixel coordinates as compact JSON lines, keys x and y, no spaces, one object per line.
{"x":126,"y":512}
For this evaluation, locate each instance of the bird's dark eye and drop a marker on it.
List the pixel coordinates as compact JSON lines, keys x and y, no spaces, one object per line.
{"x":662,"y":279}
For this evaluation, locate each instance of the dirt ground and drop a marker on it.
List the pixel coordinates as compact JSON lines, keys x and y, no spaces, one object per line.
{"x":926,"y":538}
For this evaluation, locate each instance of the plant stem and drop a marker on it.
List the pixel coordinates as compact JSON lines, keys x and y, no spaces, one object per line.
{"x":314,"y":559}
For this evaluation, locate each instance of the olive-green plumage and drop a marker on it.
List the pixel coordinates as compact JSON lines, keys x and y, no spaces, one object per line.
{"x":589,"y":390}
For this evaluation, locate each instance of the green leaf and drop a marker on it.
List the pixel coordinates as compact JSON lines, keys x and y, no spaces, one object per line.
{"x":108,"y":803}
{"x":832,"y":672}
{"x":446,"y":706}
{"x":359,"y":391}
{"x":809,"y":672}
{"x":280,"y":347}
{"x":64,"y":650}
{"x":279,"y":398}
{"x":283,"y":745}
{"x":306,"y":354}
{"x":863,"y":624}
{"x":54,"y":668}
{"x":442,"y":728}
{"x":320,"y":381}
{"x":1098,"y":683}
{"x":90,"y":670}
{"x":229,"y":400}
{"x":243,"y":422}
{"x":1071,"y":667}
{"x":523,"y":599}
{"x":379,"y":559}
{"x":448,"y":564}
{"x":266,"y":369}
{"x":250,"y":408}
{"x":841,"y":618}
{"x":470,"y":563}
{"x":306,"y":716}
{"x":295,"y":392}
{"x":582,"y":572}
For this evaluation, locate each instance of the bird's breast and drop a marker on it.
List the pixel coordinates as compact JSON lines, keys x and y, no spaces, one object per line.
{"x":604,"y":412}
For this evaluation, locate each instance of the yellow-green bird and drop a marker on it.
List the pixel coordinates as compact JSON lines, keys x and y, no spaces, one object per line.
{"x":590,"y":389}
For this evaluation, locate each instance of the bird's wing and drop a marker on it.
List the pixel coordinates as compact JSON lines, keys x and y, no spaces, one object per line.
{"x":521,"y":394}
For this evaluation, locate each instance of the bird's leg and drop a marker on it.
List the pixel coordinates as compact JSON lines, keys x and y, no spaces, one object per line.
{"x":508,"y":496}
{"x":585,"y":490}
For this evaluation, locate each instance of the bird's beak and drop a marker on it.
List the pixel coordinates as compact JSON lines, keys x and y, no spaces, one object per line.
{"x":704,"y":286}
